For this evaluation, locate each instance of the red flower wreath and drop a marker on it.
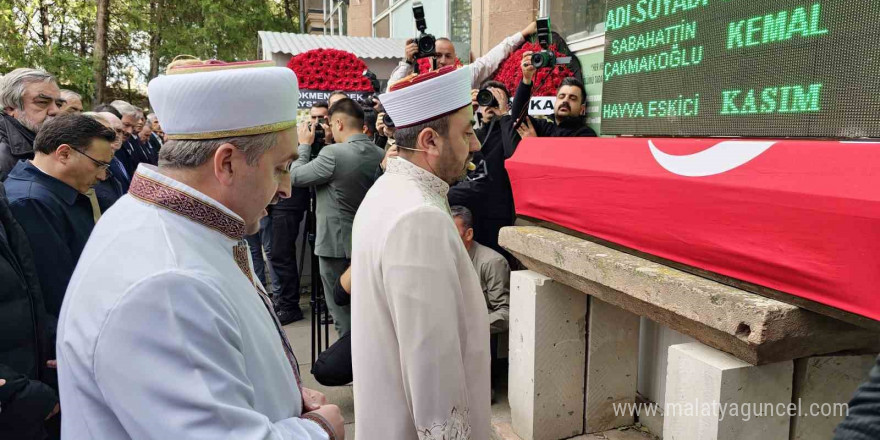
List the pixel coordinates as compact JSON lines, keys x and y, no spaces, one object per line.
{"x":425,"y":64}
{"x":510,"y":72}
{"x":330,"y":69}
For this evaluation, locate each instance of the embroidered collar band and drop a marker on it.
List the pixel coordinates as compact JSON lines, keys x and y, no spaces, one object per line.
{"x":150,"y":186}
{"x":401,"y":166}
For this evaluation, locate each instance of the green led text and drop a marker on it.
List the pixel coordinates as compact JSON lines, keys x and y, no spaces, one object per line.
{"x":777,"y":99}
{"x":771,"y":28}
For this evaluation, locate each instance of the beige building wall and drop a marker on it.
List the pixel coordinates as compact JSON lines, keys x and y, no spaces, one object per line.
{"x":495,"y":20}
{"x":491,"y":20}
{"x":360,"y":18}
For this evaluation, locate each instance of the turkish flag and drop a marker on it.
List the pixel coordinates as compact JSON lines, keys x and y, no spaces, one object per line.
{"x":801,"y":217}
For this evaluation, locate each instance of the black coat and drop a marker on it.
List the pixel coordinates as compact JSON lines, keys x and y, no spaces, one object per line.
{"x":114,"y":187}
{"x":25,"y":341}
{"x":16,"y":144}
{"x":487,"y":189}
{"x":863,"y":420}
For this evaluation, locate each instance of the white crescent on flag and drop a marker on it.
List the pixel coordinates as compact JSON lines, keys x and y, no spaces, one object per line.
{"x":721,"y":157}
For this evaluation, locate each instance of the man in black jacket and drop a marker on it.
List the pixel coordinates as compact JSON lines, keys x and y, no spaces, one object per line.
{"x":26,"y":399}
{"x":568,"y":112}
{"x":486,"y":191}
{"x":28,"y":98}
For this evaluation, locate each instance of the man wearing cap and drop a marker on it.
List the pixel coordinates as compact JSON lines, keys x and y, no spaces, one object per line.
{"x":181,"y":341}
{"x":420,"y":334}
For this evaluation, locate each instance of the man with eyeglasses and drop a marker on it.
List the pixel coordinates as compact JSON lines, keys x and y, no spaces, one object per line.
{"x":116,"y":185}
{"x":481,"y":69}
{"x":47,"y":196}
{"x":28,"y":99}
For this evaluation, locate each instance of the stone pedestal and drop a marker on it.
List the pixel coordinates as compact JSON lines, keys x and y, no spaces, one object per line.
{"x":711,"y":395}
{"x":612,"y":365}
{"x":823,"y":385}
{"x":547,"y":357}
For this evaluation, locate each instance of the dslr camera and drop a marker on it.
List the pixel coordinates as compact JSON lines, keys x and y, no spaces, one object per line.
{"x":320,"y":134}
{"x":426,"y":42}
{"x":546,"y":57}
{"x":486,"y":98}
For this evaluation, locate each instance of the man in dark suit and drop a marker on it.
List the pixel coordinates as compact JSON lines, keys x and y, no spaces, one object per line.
{"x":287,"y":217}
{"x":155,"y":140}
{"x":132,"y":152}
{"x":47,"y":196}
{"x":341,"y":174}
{"x":116,"y":185}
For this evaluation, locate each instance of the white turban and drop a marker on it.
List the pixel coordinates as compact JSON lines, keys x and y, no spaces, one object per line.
{"x":215,"y":100}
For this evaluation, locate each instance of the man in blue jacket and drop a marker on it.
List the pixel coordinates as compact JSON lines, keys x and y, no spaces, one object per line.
{"x":47,"y":196}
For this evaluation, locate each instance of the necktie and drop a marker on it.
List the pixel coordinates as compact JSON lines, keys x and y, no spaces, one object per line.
{"x":93,"y":200}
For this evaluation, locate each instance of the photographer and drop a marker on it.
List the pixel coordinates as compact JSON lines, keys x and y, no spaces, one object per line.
{"x":568,"y":112}
{"x":287,"y":216}
{"x":341,"y":174}
{"x":486,"y":191}
{"x":444,"y":54}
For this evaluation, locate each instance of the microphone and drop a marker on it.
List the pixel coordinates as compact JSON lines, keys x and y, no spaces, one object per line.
{"x":470,"y":165}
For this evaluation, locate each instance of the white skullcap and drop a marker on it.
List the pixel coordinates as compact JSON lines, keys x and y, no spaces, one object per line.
{"x":216,"y":100}
{"x":428,"y":96}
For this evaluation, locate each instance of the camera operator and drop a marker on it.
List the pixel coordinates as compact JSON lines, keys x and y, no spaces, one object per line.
{"x":568,"y":112}
{"x":341,"y":174}
{"x":486,"y":191}
{"x":287,"y":216}
{"x":336,"y":96}
{"x":444,"y":55}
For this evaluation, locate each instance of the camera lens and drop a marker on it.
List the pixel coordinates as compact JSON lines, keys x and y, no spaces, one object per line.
{"x":387,"y":120}
{"x":426,"y":44}
{"x":486,"y":99}
{"x":544,"y":58}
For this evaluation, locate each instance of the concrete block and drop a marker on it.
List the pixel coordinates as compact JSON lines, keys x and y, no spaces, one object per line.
{"x":650,"y":416}
{"x":711,"y":395}
{"x":754,"y":328}
{"x":654,"y":343}
{"x":612,"y":365}
{"x":547,"y":357}
{"x":823,"y":385}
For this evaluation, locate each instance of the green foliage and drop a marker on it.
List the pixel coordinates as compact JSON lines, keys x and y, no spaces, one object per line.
{"x":59,"y":35}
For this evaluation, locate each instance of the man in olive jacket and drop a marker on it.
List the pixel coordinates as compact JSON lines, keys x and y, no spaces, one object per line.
{"x":341,"y":174}
{"x":26,"y":399}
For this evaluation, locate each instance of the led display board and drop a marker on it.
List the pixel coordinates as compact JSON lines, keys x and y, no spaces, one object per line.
{"x":758,"y":68}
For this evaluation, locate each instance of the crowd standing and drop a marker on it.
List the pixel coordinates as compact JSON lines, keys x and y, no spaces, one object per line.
{"x":149,"y":259}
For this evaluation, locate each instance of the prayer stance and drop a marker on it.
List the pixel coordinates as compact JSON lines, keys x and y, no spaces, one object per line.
{"x":420,"y":333}
{"x":180,"y":340}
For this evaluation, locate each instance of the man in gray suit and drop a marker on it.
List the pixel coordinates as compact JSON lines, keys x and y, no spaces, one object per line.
{"x":341,"y":174}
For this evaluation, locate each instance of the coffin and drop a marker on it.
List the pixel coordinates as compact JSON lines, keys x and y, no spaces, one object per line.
{"x":796,"y":219}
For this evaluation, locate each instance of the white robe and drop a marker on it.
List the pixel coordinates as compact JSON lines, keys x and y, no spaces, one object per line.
{"x":163,"y":336}
{"x":420,"y":335}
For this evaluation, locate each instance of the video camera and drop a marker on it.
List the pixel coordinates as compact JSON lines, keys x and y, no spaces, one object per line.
{"x":546,"y":57}
{"x":425,"y":41}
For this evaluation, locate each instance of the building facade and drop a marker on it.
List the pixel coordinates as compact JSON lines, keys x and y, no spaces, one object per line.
{"x":475,"y":26}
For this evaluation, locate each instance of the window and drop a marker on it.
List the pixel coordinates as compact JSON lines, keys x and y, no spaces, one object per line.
{"x":379,"y":6}
{"x":335,"y":12}
{"x":460,"y":21}
{"x":383,"y":27}
{"x":576,"y":19}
